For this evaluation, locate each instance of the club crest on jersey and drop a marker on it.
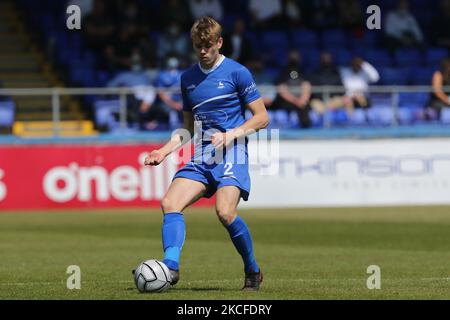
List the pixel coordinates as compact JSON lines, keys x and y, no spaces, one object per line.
{"x":221,"y":85}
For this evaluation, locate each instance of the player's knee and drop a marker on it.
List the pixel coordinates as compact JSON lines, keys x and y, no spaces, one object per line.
{"x":168,"y":205}
{"x":226,"y":215}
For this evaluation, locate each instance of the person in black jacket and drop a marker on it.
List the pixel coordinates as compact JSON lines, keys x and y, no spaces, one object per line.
{"x":294,"y":90}
{"x":236,"y":44}
{"x":326,"y":75}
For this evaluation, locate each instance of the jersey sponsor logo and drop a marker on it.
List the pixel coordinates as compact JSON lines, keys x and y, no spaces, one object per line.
{"x":123,"y":183}
{"x":221,"y":85}
{"x":250,"y":88}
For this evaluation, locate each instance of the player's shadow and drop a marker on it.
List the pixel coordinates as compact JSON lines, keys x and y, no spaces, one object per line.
{"x":196,"y":289}
{"x":200,"y":289}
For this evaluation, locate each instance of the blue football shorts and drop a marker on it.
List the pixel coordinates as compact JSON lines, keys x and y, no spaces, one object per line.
{"x":217,"y":175}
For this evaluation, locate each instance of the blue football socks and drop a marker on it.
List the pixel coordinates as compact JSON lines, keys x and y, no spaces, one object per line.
{"x":242,"y":240}
{"x":173,"y":235}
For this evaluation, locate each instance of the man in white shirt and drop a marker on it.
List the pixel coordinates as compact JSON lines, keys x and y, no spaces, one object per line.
{"x":356,"y":80}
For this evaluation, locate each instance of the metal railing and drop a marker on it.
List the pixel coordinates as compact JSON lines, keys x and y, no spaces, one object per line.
{"x":57,"y":93}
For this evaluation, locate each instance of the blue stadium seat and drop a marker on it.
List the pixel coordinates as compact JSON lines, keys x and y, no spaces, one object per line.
{"x":103,"y":112}
{"x":317,"y":119}
{"x":358,"y":117}
{"x":275,"y":44}
{"x":422,"y":76}
{"x":60,"y":38}
{"x":273,"y":72}
{"x":369,"y":40}
{"x":378,"y":57}
{"x":408,"y":57}
{"x":304,"y":38}
{"x":81,"y":74}
{"x":338,"y":117}
{"x":64,"y":55}
{"x":383,"y":116}
{"x":381,"y":100}
{"x":294,"y":121}
{"x":334,"y":38}
{"x":341,"y":56}
{"x":274,"y":39}
{"x":278,"y":57}
{"x":434,"y":56}
{"x":405,"y":115}
{"x":281,"y":118}
{"x":75,"y":41}
{"x":445,"y":116}
{"x":310,"y":59}
{"x":394,"y":76}
{"x":412,"y":100}
{"x":102,"y":77}
{"x":7,"y":110}
{"x":229,"y":19}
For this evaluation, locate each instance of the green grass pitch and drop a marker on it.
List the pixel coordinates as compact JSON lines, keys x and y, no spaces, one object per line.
{"x":304,"y":253}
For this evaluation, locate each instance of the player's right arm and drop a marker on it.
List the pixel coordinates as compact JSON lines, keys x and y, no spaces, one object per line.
{"x":177,"y":141}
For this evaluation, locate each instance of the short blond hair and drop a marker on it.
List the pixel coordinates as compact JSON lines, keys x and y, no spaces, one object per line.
{"x":206,"y":30}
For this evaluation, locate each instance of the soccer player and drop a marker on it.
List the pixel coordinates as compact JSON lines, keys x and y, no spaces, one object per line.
{"x":216,"y":93}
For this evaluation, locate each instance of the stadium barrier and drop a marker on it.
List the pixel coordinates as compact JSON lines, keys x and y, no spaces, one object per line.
{"x":396,"y":104}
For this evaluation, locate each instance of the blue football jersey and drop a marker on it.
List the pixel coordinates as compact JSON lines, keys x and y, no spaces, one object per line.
{"x":217,"y":98}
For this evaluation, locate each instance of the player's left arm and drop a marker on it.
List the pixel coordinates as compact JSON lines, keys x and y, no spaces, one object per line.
{"x":260,"y":120}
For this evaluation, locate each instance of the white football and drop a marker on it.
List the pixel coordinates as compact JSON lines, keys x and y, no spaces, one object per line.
{"x":152,"y":276}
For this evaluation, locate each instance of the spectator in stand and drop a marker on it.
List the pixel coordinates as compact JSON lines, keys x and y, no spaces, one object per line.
{"x":262,"y":79}
{"x":129,"y":15}
{"x":236,"y":44}
{"x":120,"y":53}
{"x":170,"y":79}
{"x":442,"y":25}
{"x":98,"y":27}
{"x":350,"y":15}
{"x":440,"y":97}
{"x":142,"y":102}
{"x":266,"y":14}
{"x":401,"y":28}
{"x":175,"y":10}
{"x":292,"y":14}
{"x":173,"y":42}
{"x":326,"y":75}
{"x":293,"y":90}
{"x":356,"y":79}
{"x":320,"y":14}
{"x":211,"y":8}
